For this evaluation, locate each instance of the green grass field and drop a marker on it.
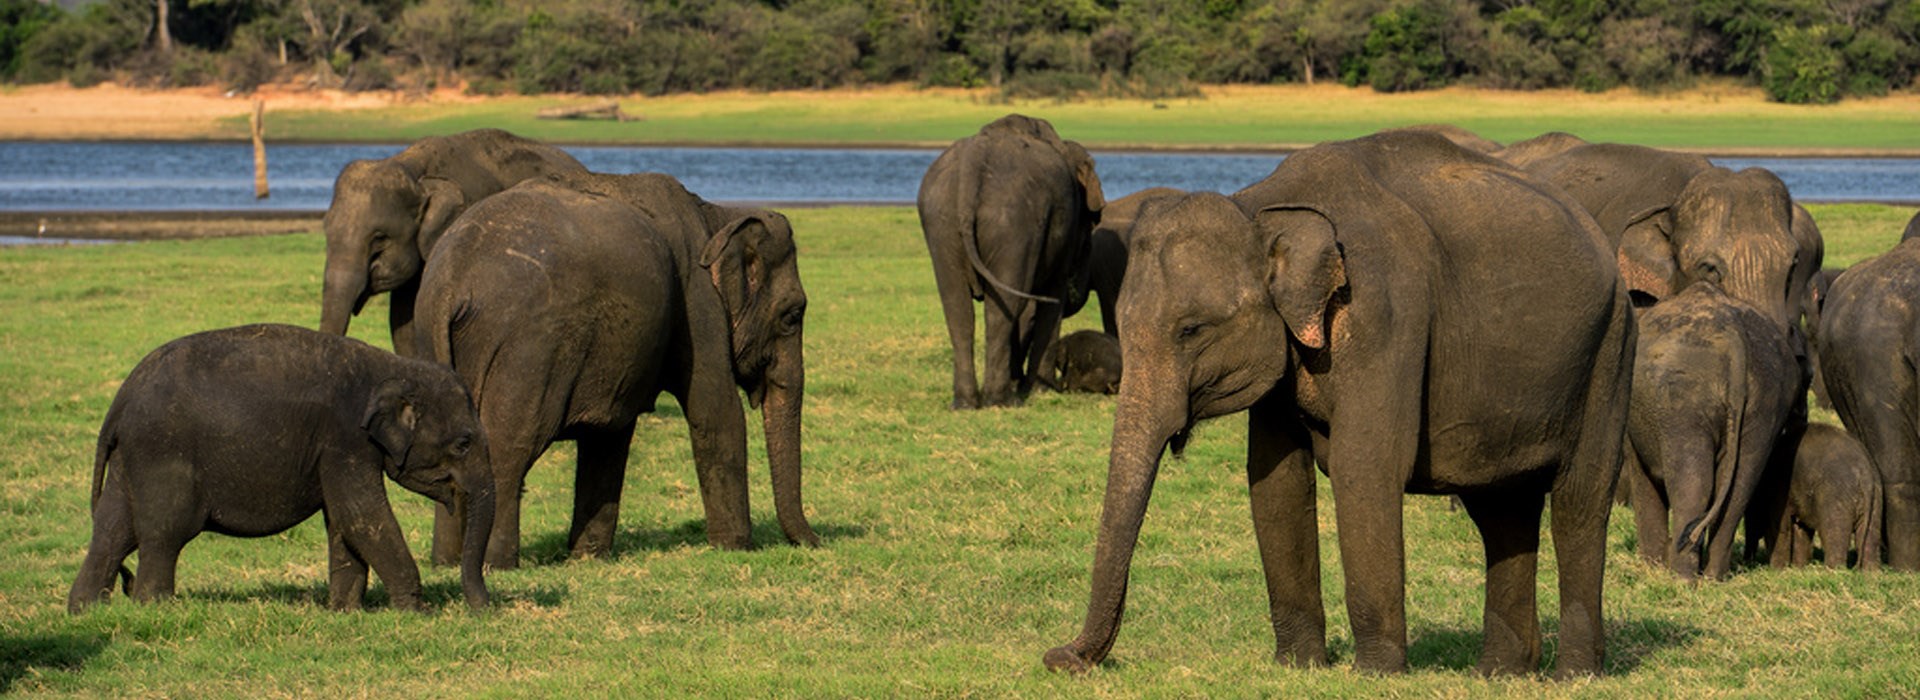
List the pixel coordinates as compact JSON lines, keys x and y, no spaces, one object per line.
{"x":1717,"y":118}
{"x":957,"y":544}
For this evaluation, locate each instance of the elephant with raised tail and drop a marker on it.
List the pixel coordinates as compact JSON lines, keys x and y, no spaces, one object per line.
{"x":1376,"y":307}
{"x":1008,"y":215}
{"x":387,"y":214}
{"x":571,"y":304}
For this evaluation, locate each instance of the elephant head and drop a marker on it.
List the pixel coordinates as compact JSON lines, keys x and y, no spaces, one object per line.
{"x":753,"y":263}
{"x":431,"y":436}
{"x":383,"y":219}
{"x":1736,"y":230}
{"x":1252,"y":292}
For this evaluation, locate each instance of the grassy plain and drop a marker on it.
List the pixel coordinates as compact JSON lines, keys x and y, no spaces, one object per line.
{"x":957,"y":544}
{"x":1722,"y":119}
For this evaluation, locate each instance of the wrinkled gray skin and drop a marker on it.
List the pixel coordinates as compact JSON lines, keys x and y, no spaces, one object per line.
{"x":249,"y":431}
{"x":1459,"y":136}
{"x":1373,"y":305}
{"x":1008,"y":215}
{"x":1085,"y":361}
{"x":1868,"y":332}
{"x":1107,"y":264}
{"x":1818,"y":288}
{"x":1834,"y":493}
{"x":1913,"y":228}
{"x":1714,"y":382}
{"x":644,"y":288}
{"x":1676,"y":219}
{"x":387,"y":214}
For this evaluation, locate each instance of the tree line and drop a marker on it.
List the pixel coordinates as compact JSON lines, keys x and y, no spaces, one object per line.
{"x":1801,"y":51}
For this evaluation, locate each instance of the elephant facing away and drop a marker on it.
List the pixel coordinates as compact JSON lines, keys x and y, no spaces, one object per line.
{"x":570,"y":306}
{"x":1869,"y":334}
{"x":1008,"y":215}
{"x":387,"y":214}
{"x":1107,"y":263}
{"x":1713,"y":385}
{"x":1834,"y":493}
{"x":249,"y":431}
{"x":1376,"y":307}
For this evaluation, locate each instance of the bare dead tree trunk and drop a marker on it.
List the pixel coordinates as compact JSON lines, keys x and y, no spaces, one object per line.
{"x":161,"y":37}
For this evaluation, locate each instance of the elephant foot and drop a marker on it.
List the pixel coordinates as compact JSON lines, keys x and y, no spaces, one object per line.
{"x":801,"y":535}
{"x":964,"y":403}
{"x":1066,"y":660}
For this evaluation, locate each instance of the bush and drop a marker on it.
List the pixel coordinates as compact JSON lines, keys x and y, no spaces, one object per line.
{"x":248,"y":65}
{"x":1404,"y":50}
{"x":1802,"y":66}
{"x":369,"y":73}
{"x":953,"y":70}
{"x":19,"y":21}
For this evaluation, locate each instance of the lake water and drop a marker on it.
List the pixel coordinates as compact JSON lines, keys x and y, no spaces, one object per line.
{"x":57,"y":176}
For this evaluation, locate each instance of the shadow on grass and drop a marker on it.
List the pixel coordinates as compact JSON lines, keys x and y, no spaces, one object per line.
{"x":551,"y":548}
{"x":1629,"y":644}
{"x":441,"y":595}
{"x":61,"y":652}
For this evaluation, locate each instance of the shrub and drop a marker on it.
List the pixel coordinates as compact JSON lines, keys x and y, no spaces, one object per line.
{"x":1802,"y":66}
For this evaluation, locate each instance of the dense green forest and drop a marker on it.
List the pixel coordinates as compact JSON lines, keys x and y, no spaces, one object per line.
{"x":1798,"y":50}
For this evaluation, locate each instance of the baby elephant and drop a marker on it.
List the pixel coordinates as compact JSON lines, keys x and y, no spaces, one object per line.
{"x":1834,"y":492}
{"x":1086,"y":361}
{"x":248,"y":431}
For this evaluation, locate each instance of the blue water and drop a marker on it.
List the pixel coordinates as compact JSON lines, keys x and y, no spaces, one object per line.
{"x":52,"y":176}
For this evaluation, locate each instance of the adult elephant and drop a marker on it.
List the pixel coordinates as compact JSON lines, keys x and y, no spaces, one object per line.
{"x":1376,"y":306}
{"x":387,"y":215}
{"x":569,"y":306}
{"x":1008,"y":214}
{"x":1869,"y":336}
{"x":1675,"y":219}
{"x":1107,"y":263}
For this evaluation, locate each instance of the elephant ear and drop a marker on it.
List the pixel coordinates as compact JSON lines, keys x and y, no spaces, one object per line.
{"x":440,"y":201}
{"x":732,"y":257}
{"x":1306,"y":268}
{"x":390,"y":418}
{"x":1083,"y":173}
{"x":1646,"y":256}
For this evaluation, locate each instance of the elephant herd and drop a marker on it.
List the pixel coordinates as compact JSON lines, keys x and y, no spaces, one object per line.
{"x":1415,"y":311}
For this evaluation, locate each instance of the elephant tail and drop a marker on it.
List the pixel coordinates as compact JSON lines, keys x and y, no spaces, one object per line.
{"x":1695,"y":534}
{"x":969,"y":236}
{"x":1867,"y":535}
{"x":102,"y":450}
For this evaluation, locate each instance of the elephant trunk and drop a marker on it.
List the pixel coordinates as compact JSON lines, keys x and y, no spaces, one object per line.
{"x":342,"y":291}
{"x":1149,"y":415}
{"x":780,"y":415}
{"x":477,"y":491}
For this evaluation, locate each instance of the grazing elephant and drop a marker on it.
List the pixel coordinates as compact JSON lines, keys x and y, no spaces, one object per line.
{"x":248,"y":431}
{"x":642,"y":288}
{"x":1107,"y":264}
{"x":1834,"y":492}
{"x":387,"y":215}
{"x":1869,"y":330}
{"x":1086,"y":361}
{"x":1008,"y":215}
{"x":1376,"y":306}
{"x":1713,"y":385}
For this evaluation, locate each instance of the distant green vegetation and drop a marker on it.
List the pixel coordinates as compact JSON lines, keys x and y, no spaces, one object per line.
{"x":1719,"y":119}
{"x":958,"y":545}
{"x":1800,"y":51}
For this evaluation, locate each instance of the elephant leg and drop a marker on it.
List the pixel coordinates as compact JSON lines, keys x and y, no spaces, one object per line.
{"x":162,"y":529}
{"x":514,"y":443}
{"x":1044,"y":332}
{"x":717,"y":426}
{"x":1890,"y":438}
{"x":1003,"y":335}
{"x":1783,"y":533}
{"x":1751,"y":460}
{"x":1509,"y":526}
{"x":1689,"y":471}
{"x":346,"y":570}
{"x":1836,"y":536}
{"x":159,"y":561}
{"x":956,"y":305}
{"x":1370,"y":454}
{"x":1583,"y":502}
{"x":449,"y":527}
{"x":597,"y":483}
{"x":1649,"y":512}
{"x":1802,"y":545}
{"x":1280,"y":483}
{"x":107,"y":552}
{"x":1902,"y":513}
{"x":364,"y":524}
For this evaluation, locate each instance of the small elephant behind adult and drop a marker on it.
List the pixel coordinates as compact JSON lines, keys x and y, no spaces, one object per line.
{"x":1008,"y":214}
{"x":1085,"y":361}
{"x":1835,"y":494}
{"x":387,"y":214}
{"x":249,"y":431}
{"x":1713,"y":385}
{"x":1107,"y":264}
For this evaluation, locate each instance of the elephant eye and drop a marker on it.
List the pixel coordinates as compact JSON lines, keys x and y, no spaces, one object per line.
{"x":461,"y":445}
{"x":1707,"y":270}
{"x":791,"y":320}
{"x":1190,"y":330}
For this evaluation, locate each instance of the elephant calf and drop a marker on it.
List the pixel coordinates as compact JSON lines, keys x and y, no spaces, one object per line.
{"x":1713,"y":384}
{"x":1835,"y":493}
{"x":1087,"y":361}
{"x":248,"y":431}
